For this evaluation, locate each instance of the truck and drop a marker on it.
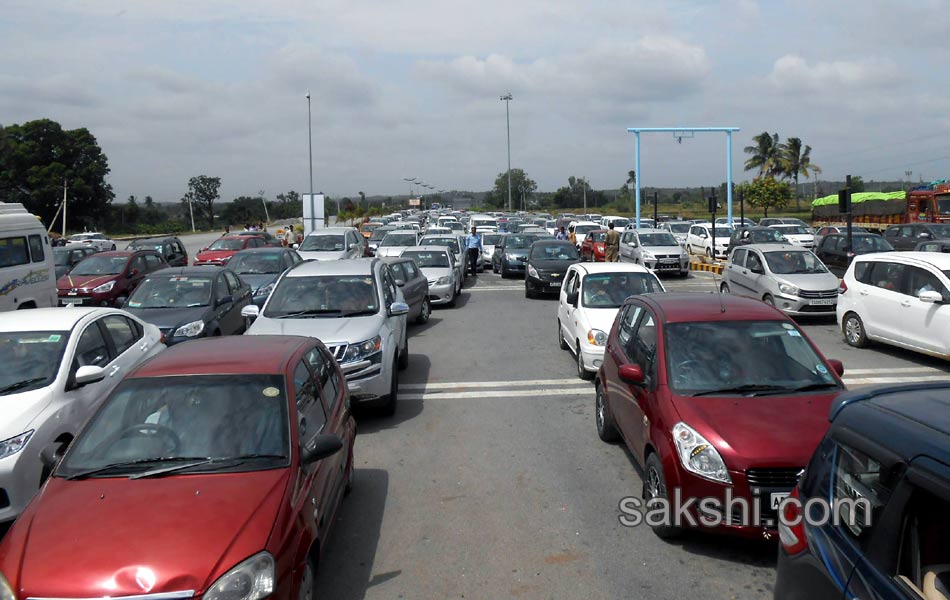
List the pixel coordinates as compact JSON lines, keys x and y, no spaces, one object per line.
{"x":876,"y":211}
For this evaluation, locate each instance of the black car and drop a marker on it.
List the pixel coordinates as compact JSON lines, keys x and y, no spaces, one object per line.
{"x":906,"y":237}
{"x":548,"y":262}
{"x":755,"y":235}
{"x":67,"y":258}
{"x":881,"y":480}
{"x":511,"y":252}
{"x":414,"y":285}
{"x":836,"y":255}
{"x":170,"y":247}
{"x":934,"y":246}
{"x":261,"y":267}
{"x":191,"y":302}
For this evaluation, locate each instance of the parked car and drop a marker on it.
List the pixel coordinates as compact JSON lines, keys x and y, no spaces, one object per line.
{"x":546,"y":266}
{"x":797,"y":234}
{"x":454,"y":245}
{"x":589,"y":300}
{"x":396,"y":241}
{"x":687,"y":384}
{"x":58,"y":366}
{"x":679,"y":229}
{"x":619,"y":222}
{"x":489,"y":240}
{"x":222,"y":249}
{"x":738,"y":223}
{"x":511,"y":253}
{"x":592,"y":246}
{"x":829,"y":229}
{"x":699,"y":240}
{"x":68,"y":256}
{"x":788,"y":277}
{"x":906,"y":237}
{"x":261,"y":267}
{"x":269,"y":239}
{"x":26,"y":260}
{"x":755,"y":235}
{"x":656,"y":249}
{"x":97,"y":240}
{"x":107,"y":278}
{"x":882,"y":467}
{"x":170,"y":247}
{"x":645,"y":223}
{"x":246,"y":447}
{"x":897,"y":299}
{"x":934,"y":246}
{"x":414,"y":285}
{"x":356,"y":309}
{"x":836,"y":255}
{"x":582,"y":228}
{"x":377,"y":236}
{"x":440,"y":270}
{"x":770,"y":221}
{"x":332,"y":243}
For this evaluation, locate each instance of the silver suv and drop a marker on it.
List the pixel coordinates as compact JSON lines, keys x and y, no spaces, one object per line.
{"x":356,"y":309}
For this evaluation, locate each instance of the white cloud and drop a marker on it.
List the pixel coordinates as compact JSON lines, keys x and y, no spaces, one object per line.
{"x":792,"y":73}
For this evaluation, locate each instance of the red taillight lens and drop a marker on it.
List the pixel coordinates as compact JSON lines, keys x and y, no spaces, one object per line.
{"x":791,"y":525}
{"x":162,"y":338}
{"x":842,"y":287}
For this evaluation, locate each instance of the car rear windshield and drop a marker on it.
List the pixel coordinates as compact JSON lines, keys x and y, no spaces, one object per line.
{"x":379,"y":233}
{"x":61,"y":257}
{"x":870,"y":243}
{"x":658,"y":239}
{"x":600,"y":236}
{"x":429,"y":258}
{"x":227,"y":245}
{"x":793,"y":229}
{"x":754,"y":358}
{"x":100,"y":265}
{"x":172,"y":292}
{"x":450,"y":243}
{"x":553,"y":252}
{"x":30,"y":359}
{"x":679,"y":227}
{"x":583,"y":229}
{"x":490,"y":239}
{"x":256,"y":263}
{"x":609,"y":290}
{"x":940,"y":231}
{"x":326,"y":242}
{"x":764,"y":236}
{"x":398,"y":239}
{"x":323,"y":296}
{"x":516,"y":242}
{"x":620,"y":223}
{"x":794,"y":263}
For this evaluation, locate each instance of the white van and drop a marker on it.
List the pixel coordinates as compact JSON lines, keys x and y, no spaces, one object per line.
{"x":27,"y":271}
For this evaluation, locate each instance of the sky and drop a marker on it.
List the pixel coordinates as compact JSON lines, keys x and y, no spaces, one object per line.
{"x":411,"y":88}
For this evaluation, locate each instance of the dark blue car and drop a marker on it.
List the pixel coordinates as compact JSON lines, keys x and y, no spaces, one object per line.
{"x":877,"y":500}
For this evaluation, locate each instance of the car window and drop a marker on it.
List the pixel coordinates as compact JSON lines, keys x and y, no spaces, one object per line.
{"x":753,"y":262}
{"x":221,"y":290}
{"x":13,"y":251}
{"x":389,"y":288}
{"x":397,"y":271}
{"x":738,"y":258}
{"x":410,"y":268}
{"x":626,"y":328}
{"x":887,"y":275}
{"x":91,"y":349}
{"x":862,"y":271}
{"x":123,"y":332}
{"x":645,"y":346}
{"x":138,"y":263}
{"x":892,"y":232}
{"x":860,"y":490}
{"x":233,"y":282}
{"x":311,"y":417}
{"x":322,"y":366}
{"x":36,"y":248}
{"x":921,"y":280}
{"x":152,"y":262}
{"x":923,"y":553}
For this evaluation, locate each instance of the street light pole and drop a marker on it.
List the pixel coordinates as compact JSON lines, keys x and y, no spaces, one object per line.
{"x":507,"y":98}
{"x":310,"y":144}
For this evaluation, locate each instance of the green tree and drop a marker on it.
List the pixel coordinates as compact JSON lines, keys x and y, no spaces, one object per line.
{"x":131,"y":211}
{"x":37,"y":157}
{"x":631,"y":177}
{"x":765,"y":155}
{"x":519,"y":181}
{"x":290,"y":197}
{"x":766,"y":193}
{"x":857,"y":184}
{"x":202,"y":192}
{"x":796,"y":160}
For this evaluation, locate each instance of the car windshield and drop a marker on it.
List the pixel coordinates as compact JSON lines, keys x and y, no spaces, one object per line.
{"x":30,"y":359}
{"x":61,"y":257}
{"x":517,"y":242}
{"x":239,"y":421}
{"x":742,"y":358}
{"x":172,"y":292}
{"x":583,"y":229}
{"x":490,"y":239}
{"x":398,"y":239}
{"x":793,"y":230}
{"x":100,"y":265}
{"x":368,"y":227}
{"x":227,"y":245}
{"x":450,"y":243}
{"x":541,"y":252}
{"x":658,"y":239}
{"x":679,"y":227}
{"x":867,"y":244}
{"x":723,"y":232}
{"x":326,"y":242}
{"x":609,"y":290}
{"x":793,"y":263}
{"x":145,"y":245}
{"x":323,"y":296}
{"x":379,"y":233}
{"x":620,"y":223}
{"x":455,"y":226}
{"x":429,"y":258}
{"x":764,"y":236}
{"x":255,"y":263}
{"x":940,"y":231}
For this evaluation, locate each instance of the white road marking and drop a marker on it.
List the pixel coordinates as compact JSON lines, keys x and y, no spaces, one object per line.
{"x":884,"y":371}
{"x":493,"y":384}
{"x":586,"y":391}
{"x":495,"y":288}
{"x":876,"y":380}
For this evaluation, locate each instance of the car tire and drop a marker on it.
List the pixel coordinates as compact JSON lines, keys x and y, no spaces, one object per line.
{"x":724,"y":288}
{"x":504,"y":272}
{"x":451,"y":303}
{"x":561,"y":342}
{"x":581,"y":371}
{"x":308,"y":581}
{"x":853,"y":330}
{"x":113,"y":247}
{"x":606,"y":427}
{"x":389,"y":406}
{"x":654,"y":486}
{"x":768,"y":299}
{"x":528,"y":293}
{"x":494,"y":268}
{"x":425,"y":311}
{"x":404,"y":356}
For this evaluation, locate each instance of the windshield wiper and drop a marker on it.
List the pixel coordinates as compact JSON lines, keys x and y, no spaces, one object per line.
{"x":310,"y":313}
{"x":742,"y":389}
{"x":357,"y":313}
{"x":21,"y":384}
{"x":131,"y":463}
{"x":814,"y":386}
{"x":207,"y":461}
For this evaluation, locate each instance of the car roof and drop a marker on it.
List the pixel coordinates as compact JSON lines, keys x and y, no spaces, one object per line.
{"x":589,"y":268}
{"x":48,"y":319}
{"x":352,"y":266}
{"x":936,"y":259}
{"x":588,"y":223}
{"x":208,"y":271}
{"x":684,"y":307}
{"x":157,"y":238}
{"x":124,"y":252}
{"x":649,"y":230}
{"x":262,"y":250}
{"x":775,"y":247}
{"x":334,"y":230}
{"x":424,"y":248}
{"x":239,"y":236}
{"x":264,"y":354}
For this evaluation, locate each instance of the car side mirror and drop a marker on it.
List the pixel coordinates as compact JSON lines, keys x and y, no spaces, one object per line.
{"x":837,"y":366}
{"x":400,"y":282}
{"x":251,"y":311}
{"x":88,"y":374}
{"x":223,"y":301}
{"x":572,"y":299}
{"x":930,"y":297}
{"x":133,"y":273}
{"x":631,"y":373}
{"x":324,"y":445}
{"x":924,"y":235}
{"x":295,"y":246}
{"x":354,"y":246}
{"x":398,"y":308}
{"x":703,"y":235}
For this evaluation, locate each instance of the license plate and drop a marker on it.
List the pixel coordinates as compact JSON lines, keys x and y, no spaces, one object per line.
{"x":555,"y":284}
{"x":669,"y":261}
{"x":65,"y":301}
{"x":828,"y":302}
{"x":776,"y":498}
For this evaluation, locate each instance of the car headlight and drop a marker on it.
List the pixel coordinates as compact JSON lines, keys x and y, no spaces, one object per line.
{"x":698,"y":456}
{"x":14,"y":445}
{"x":266,"y":289}
{"x":533,"y":272}
{"x":105,"y":287}
{"x":596,"y":337}
{"x":252,"y":579}
{"x":363,"y":349}
{"x":444,"y":280}
{"x":791,"y":290}
{"x":510,"y":257}
{"x":191,"y":329}
{"x":648,"y":255}
{"x":6,"y":590}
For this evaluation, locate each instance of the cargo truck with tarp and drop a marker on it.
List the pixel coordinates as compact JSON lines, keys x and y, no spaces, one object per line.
{"x":875,"y":211}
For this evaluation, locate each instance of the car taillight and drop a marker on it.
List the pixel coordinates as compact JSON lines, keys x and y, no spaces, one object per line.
{"x":791,"y":527}
{"x":842,"y":287}
{"x":162,"y":338}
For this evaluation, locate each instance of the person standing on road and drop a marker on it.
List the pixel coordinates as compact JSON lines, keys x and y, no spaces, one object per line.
{"x":612,"y":244}
{"x":562,"y":235}
{"x":572,"y":236}
{"x":473,"y":247}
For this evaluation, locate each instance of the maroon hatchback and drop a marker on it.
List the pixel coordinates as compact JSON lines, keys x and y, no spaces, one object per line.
{"x":214,"y":470}
{"x":721,"y":399}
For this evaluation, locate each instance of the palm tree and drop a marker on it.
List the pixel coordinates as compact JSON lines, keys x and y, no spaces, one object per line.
{"x":766,"y":155}
{"x":796,"y":160}
{"x":631,"y":177}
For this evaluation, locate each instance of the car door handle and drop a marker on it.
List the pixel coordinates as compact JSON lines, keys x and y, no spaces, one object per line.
{"x":863,"y":293}
{"x":144,"y":347}
{"x":906,"y":303}
{"x":115,"y":369}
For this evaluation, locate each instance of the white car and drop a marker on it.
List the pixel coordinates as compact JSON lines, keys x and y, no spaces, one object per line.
{"x":433,"y":230}
{"x":591,"y":295}
{"x":332,"y":243}
{"x":797,"y":234}
{"x":58,"y":365}
{"x":656,"y":249}
{"x":679,"y":229}
{"x":394,"y":242}
{"x":897,"y":298}
{"x":620,"y":223}
{"x":581,"y":229}
{"x":699,"y":240}
{"x":91,"y":238}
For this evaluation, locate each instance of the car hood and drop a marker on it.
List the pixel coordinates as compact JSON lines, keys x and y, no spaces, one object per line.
{"x":555,"y":266}
{"x":517,"y":252}
{"x":678,"y":250}
{"x":260,"y":280}
{"x":328,"y":330}
{"x":18,"y":412}
{"x":776,"y":431}
{"x":433,"y":273}
{"x":810,"y":281}
{"x":169,"y":318}
{"x":124,"y":537}
{"x":599,"y":318}
{"x":216,"y":254}
{"x":68,"y":281}
{"x":329,"y":255}
{"x":390,"y":250}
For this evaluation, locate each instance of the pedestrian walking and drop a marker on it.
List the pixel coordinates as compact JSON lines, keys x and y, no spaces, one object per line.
{"x":571,"y":236}
{"x":612,"y":244}
{"x":473,"y":247}
{"x":562,"y":235}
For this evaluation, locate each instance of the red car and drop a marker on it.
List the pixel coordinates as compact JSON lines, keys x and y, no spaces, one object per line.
{"x":103,"y":278}
{"x":223,"y":248}
{"x":714,"y":395}
{"x":592,"y":247}
{"x":213,"y":470}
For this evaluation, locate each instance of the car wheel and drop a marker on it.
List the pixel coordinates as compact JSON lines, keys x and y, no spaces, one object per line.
{"x":724,"y":288}
{"x":528,"y":293}
{"x":389,"y":407}
{"x":307,"y":581}
{"x":768,"y":299}
{"x":113,"y":247}
{"x":606,"y":428}
{"x":561,"y":342}
{"x":853,"y":330}
{"x":708,"y":253}
{"x":654,"y":486}
{"x":451,"y":303}
{"x":581,"y":371}
{"x":494,"y":268}
{"x":424,"y":312}
{"x":404,"y":356}
{"x":504,"y":272}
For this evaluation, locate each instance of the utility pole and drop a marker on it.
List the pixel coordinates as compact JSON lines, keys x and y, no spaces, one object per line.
{"x":310,"y":144}
{"x":507,"y":98}
{"x":64,"y":207}
{"x":584,"y":188}
{"x":656,"y":208}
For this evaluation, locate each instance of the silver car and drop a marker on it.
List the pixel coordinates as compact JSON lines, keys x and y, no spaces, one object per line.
{"x":786,"y":276}
{"x":437,"y":263}
{"x":332,"y":243}
{"x":655,"y":249}
{"x":679,"y":229}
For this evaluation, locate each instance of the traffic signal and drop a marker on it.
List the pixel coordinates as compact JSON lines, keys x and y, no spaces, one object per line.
{"x":844,"y":201}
